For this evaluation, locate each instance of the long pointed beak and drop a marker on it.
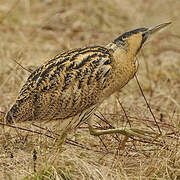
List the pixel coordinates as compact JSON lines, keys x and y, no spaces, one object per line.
{"x":156,"y":28}
{"x":153,"y":29}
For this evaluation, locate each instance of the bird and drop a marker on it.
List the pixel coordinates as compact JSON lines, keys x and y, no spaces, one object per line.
{"x":71,"y":86}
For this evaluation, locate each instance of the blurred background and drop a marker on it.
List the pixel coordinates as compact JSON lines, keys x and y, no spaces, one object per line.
{"x":34,"y":31}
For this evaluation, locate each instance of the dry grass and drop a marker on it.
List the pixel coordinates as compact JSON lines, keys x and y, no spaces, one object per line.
{"x":33,"y":31}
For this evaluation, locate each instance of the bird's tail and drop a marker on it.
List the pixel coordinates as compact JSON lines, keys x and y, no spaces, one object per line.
{"x":12,"y":114}
{"x":18,"y":112}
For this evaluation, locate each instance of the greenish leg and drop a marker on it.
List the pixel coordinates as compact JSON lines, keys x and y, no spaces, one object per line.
{"x":60,"y":141}
{"x":128,"y":132}
{"x":123,"y":143}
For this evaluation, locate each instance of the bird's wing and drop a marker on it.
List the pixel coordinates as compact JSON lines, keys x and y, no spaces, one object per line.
{"x":86,"y":66}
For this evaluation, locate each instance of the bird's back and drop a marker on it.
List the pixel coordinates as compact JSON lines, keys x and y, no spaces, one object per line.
{"x":64,"y":86}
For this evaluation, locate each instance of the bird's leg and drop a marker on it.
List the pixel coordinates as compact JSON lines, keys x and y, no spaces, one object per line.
{"x":65,"y":128}
{"x":128,"y":132}
{"x":125,"y":131}
{"x":123,"y":143}
{"x":61,"y":139}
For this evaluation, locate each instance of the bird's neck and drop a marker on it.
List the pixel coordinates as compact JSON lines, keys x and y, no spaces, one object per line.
{"x":122,"y":55}
{"x":123,"y":63}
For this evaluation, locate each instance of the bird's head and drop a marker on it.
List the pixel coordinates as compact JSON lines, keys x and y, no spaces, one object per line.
{"x":132,"y":41}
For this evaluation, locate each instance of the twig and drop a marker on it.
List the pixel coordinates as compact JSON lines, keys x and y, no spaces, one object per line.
{"x":149,"y":120}
{"x":103,"y":144}
{"x":104,"y":120}
{"x":148,"y":104}
{"x":22,"y":66}
{"x":124,"y":112}
{"x":24,"y":129}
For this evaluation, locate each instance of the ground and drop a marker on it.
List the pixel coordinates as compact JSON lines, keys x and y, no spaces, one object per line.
{"x":32,"y":32}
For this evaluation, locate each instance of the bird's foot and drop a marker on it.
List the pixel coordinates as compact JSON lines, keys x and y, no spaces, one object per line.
{"x":128,"y":132}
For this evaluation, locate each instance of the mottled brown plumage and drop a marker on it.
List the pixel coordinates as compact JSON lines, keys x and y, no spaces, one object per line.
{"x":69,"y":87}
{"x":66,"y":85}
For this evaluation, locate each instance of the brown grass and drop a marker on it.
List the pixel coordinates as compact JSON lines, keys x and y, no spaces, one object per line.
{"x":33,"y":31}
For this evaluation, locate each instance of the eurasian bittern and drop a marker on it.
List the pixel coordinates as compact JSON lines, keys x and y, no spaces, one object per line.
{"x":71,"y":86}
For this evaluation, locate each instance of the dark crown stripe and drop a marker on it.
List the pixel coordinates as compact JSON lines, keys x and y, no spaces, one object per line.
{"x":127,"y":34}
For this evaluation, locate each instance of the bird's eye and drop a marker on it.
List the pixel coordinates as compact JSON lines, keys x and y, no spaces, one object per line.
{"x":143,"y":35}
{"x":123,"y":39}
